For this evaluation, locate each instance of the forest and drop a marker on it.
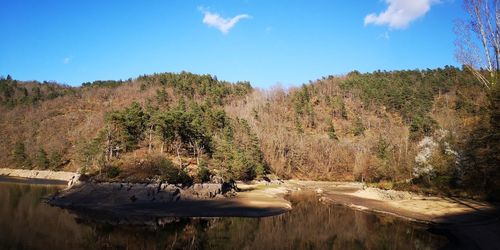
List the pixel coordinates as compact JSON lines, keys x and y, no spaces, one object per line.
{"x":432,"y":130}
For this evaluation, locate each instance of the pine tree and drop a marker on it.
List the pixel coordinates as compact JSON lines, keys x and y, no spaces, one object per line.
{"x":55,"y":160}
{"x":331,"y":131}
{"x":42,"y":160}
{"x":20,"y":157}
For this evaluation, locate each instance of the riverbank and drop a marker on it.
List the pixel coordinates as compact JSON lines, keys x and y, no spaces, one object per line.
{"x":42,"y":175}
{"x":429,"y":209}
{"x":469,"y":224}
{"x":412,"y":206}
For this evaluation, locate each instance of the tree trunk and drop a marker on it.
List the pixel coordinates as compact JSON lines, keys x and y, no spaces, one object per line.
{"x":177,"y":148}
{"x":150,"y":139}
{"x":109,"y":154}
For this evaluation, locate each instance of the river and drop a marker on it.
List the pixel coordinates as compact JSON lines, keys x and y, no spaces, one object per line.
{"x":26,"y":222}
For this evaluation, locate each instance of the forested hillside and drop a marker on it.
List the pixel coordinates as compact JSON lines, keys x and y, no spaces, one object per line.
{"x":427,"y":129}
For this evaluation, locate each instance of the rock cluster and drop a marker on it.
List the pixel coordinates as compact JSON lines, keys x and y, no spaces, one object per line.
{"x":115,"y":193}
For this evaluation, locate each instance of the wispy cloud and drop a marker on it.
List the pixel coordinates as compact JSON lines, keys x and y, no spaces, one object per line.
{"x":385,"y":36}
{"x":400,"y":13}
{"x":66,"y":60}
{"x":212,"y":19}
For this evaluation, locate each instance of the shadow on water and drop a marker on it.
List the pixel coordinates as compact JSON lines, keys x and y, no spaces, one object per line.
{"x":9,"y":179}
{"x":26,"y":223}
{"x":479,"y":229}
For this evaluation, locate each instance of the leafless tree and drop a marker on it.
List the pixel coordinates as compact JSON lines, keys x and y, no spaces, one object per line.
{"x":478,"y":40}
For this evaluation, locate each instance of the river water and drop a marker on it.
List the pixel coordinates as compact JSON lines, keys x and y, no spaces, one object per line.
{"x":26,"y":222}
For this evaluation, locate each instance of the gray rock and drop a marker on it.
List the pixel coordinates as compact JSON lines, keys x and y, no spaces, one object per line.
{"x":88,"y":194}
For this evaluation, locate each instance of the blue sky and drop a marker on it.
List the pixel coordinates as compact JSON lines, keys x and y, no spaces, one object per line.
{"x":268,"y":42}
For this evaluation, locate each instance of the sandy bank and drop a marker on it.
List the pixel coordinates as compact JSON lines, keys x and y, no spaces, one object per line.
{"x":68,"y":177}
{"x":467,"y":223}
{"x":403,"y":204}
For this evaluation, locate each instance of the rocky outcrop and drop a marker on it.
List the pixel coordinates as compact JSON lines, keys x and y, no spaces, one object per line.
{"x":91,"y":194}
{"x":208,"y":190}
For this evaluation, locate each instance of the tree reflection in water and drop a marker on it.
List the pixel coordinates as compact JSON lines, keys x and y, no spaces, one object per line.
{"x":310,"y":225}
{"x":27,"y":223}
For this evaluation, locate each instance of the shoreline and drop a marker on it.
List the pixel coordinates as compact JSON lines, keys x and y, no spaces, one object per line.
{"x":466,"y":223}
{"x":410,"y":206}
{"x":31,"y":181}
{"x":407,"y":205}
{"x":471,"y":223}
{"x":125,"y":200}
{"x":68,"y":177}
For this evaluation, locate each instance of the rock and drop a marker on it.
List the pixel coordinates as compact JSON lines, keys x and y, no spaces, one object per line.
{"x":133,"y":198}
{"x":216,"y":179}
{"x":276,"y":182}
{"x":88,"y":194}
{"x":167,"y":220}
{"x":197,"y":187}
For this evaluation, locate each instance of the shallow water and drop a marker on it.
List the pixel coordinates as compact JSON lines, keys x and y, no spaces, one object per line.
{"x":28,"y":223}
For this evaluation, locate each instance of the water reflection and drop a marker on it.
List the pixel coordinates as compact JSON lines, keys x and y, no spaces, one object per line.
{"x":26,"y":223}
{"x":310,"y":225}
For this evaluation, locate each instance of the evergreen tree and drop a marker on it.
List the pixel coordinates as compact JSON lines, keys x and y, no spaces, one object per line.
{"x":55,"y":160}
{"x":331,"y":131}
{"x":359,"y":128}
{"x":42,"y":160}
{"x":20,"y":157}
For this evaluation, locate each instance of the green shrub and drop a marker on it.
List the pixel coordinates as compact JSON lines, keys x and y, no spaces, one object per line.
{"x":20,"y":157}
{"x":42,"y":160}
{"x":171,"y":173}
{"x":167,"y":170}
{"x":55,"y":160}
{"x":183,"y":178}
{"x":112,"y":171}
{"x":359,"y":128}
{"x":260,"y":170}
{"x":203,"y":174}
{"x":331,"y":132}
{"x":242,"y":167}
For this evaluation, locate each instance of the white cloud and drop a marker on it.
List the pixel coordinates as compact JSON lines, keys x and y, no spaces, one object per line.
{"x":400,"y":13}
{"x":223,"y":24}
{"x":66,"y":60}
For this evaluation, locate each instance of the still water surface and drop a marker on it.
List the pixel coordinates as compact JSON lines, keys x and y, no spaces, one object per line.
{"x":28,"y":223}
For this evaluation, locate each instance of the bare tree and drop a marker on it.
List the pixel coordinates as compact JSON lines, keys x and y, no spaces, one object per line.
{"x":478,"y":40}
